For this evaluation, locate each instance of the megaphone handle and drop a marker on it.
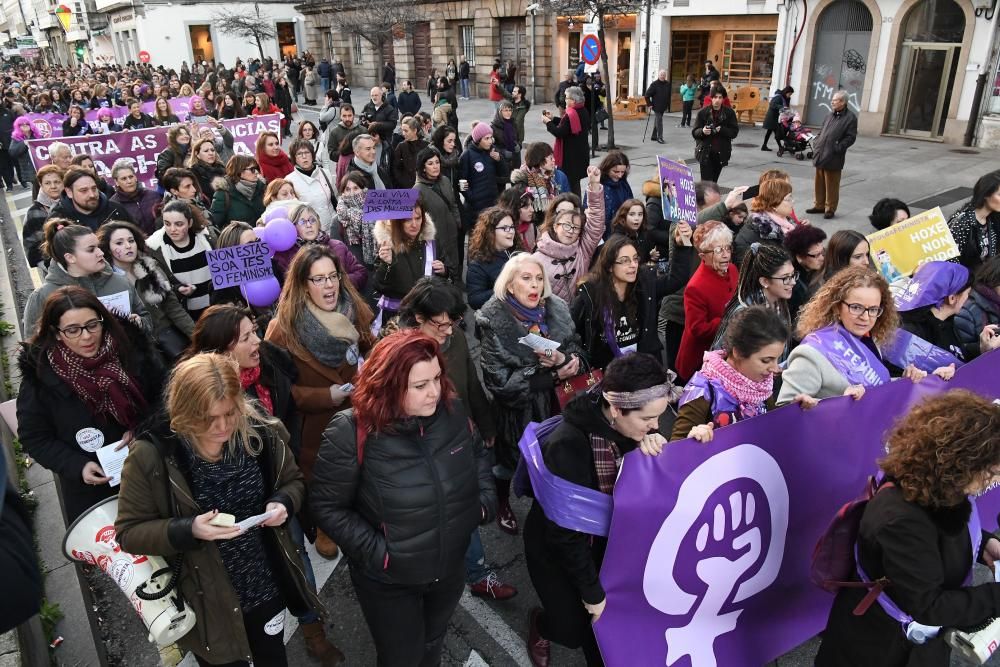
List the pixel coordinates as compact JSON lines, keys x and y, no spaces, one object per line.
{"x":174,"y":570}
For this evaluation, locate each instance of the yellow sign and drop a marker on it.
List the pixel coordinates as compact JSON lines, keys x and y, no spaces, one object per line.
{"x":65,"y":15}
{"x":898,"y":250}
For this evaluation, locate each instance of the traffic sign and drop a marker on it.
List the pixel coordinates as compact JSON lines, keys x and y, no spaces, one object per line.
{"x":591,"y":49}
{"x":144,"y":57}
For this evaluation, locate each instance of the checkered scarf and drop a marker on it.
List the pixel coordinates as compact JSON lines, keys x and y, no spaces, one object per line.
{"x":607,"y":459}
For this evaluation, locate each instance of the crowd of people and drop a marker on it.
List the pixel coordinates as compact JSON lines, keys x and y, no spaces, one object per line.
{"x":350,"y":408}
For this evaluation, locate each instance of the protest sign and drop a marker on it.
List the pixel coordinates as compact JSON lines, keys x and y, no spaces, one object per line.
{"x":239,"y":264}
{"x":898,"y":250}
{"x":710,"y":545}
{"x":677,"y":191}
{"x":49,"y":125}
{"x":143,"y":146}
{"x":389,"y":204}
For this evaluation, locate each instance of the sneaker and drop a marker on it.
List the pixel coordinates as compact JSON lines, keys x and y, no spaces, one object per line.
{"x":506,"y":519}
{"x":491,"y":587}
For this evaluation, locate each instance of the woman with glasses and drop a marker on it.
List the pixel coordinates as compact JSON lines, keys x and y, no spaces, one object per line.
{"x":842,"y":329}
{"x":769,"y":220}
{"x":313,"y":184}
{"x":308,"y":227}
{"x":846,"y":248}
{"x":736,"y":381}
{"x":616,"y":307}
{"x":88,"y":378}
{"x":565,"y":245}
{"x":805,"y":245}
{"x":241,"y":196}
{"x":491,"y":245}
{"x":767,"y":278}
{"x":706,"y":295}
{"x":326,"y":326}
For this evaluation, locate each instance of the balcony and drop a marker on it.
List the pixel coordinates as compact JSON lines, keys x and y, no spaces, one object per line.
{"x":108,"y":5}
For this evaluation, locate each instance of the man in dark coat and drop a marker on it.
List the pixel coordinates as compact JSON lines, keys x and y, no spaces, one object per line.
{"x":83,"y":202}
{"x":378,"y":110}
{"x":389,"y":76}
{"x":714,"y":130}
{"x":839,"y":132}
{"x":572,"y":139}
{"x":781,"y":100}
{"x":658,"y":98}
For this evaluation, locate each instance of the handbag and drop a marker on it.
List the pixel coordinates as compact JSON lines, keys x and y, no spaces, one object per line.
{"x":172,"y":342}
{"x":570,"y":387}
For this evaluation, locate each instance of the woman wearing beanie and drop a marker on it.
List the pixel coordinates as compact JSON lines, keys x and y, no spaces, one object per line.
{"x":480,"y":167}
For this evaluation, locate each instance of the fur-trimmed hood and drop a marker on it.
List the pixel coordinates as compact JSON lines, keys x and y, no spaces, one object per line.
{"x":383,"y":232}
{"x":496,"y":319}
{"x":220,"y":183}
{"x":151,"y":282}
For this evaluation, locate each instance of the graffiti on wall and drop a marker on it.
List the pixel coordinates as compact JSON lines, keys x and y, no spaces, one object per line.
{"x":851,"y":80}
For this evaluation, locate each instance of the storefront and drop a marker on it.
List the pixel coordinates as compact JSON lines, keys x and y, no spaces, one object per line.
{"x":124,"y":40}
{"x":840,"y":59}
{"x":619,"y":34}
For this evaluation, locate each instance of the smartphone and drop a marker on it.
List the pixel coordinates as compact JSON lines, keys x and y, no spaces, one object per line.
{"x":347,"y":388}
{"x":751,"y":192}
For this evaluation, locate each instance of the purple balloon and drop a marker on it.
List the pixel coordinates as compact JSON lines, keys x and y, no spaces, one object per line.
{"x":281,"y":234}
{"x":276,"y":213}
{"x":261,"y":293}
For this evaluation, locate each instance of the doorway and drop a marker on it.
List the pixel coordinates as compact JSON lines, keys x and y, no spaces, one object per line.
{"x":514,"y":44}
{"x":688,"y":51}
{"x":844,"y":33}
{"x":201,"y":43}
{"x":422,"y":61}
{"x":286,"y":38}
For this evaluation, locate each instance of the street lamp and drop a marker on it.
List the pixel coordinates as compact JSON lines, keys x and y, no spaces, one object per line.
{"x":533,"y":8}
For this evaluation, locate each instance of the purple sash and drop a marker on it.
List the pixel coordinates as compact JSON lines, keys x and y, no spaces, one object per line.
{"x":851,"y":357}
{"x":907,"y":348}
{"x":719,"y":399}
{"x":388,"y":303}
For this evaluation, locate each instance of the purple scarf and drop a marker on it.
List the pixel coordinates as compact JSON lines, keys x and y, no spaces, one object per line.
{"x":849,"y":355}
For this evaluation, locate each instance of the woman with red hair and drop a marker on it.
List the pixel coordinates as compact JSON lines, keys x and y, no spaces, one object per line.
{"x":405,"y":521}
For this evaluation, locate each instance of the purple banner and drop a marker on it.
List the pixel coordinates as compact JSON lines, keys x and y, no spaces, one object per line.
{"x":239,"y":264}
{"x":49,"y":125}
{"x":710,"y":545}
{"x":142,"y":146}
{"x":677,"y":191}
{"x":389,"y":204}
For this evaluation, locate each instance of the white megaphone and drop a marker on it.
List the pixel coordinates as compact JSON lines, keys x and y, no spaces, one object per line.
{"x":147,"y":581}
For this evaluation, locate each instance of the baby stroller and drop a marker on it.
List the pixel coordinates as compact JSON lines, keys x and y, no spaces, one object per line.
{"x":793,"y":137}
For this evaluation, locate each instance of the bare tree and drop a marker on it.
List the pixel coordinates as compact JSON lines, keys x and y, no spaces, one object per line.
{"x":258,"y":26}
{"x":602,"y":12}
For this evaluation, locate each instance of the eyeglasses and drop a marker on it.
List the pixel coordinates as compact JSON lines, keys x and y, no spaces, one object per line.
{"x":816,"y":255}
{"x":307,"y":222}
{"x":858,"y":310}
{"x":76,"y":330}
{"x":506,"y":228}
{"x":444,"y":326}
{"x":253,"y":170}
{"x":625,"y":261}
{"x":303,"y":154}
{"x":790,"y":279}
{"x":718,"y":251}
{"x":570,"y":227}
{"x":322,"y":280}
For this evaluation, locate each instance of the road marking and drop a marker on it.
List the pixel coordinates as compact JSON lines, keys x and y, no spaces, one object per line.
{"x":475,"y":660}
{"x":497,"y":628}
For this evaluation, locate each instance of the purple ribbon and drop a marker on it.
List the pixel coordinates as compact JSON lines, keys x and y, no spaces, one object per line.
{"x":851,"y":357}
{"x":907,"y":348}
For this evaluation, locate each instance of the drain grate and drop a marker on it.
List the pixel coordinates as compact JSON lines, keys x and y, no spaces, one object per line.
{"x":943,"y":198}
{"x":964,"y":151}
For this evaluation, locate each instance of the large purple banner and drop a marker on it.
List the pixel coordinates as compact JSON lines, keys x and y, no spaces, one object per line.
{"x":49,"y":125}
{"x":142,"y":146}
{"x":710,"y":545}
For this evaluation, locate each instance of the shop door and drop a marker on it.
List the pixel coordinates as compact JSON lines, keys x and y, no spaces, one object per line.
{"x":422,"y":54}
{"x":840,"y":60}
{"x":924,"y":84}
{"x":688,"y":51}
{"x":514,"y":45}
{"x":201,"y":43}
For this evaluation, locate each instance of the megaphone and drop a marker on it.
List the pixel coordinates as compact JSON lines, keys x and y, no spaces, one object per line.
{"x":147,"y":581}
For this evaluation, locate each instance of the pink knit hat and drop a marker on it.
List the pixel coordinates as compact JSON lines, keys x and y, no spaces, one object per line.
{"x":481,"y":131}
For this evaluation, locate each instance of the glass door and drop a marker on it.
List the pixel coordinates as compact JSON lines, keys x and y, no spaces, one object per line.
{"x":923,"y":87}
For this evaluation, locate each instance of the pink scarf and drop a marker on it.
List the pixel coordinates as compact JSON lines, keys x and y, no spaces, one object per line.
{"x":750,"y":395}
{"x":574,"y":127}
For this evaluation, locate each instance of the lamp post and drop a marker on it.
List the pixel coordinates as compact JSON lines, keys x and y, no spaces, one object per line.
{"x":533,"y":9}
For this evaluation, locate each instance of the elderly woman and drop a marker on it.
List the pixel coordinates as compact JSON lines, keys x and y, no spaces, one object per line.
{"x":769,"y":219}
{"x":706,"y":295}
{"x":598,"y":428}
{"x":307,"y":227}
{"x":401,"y":481}
{"x":213,"y":452}
{"x":241,"y":196}
{"x":493,"y":241}
{"x":976,"y":226}
{"x":846,"y":248}
{"x":326,"y":326}
{"x":522,"y":378}
{"x":313,"y":184}
{"x":139,"y":201}
{"x":50,"y":189}
{"x":572,"y":133}
{"x":88,"y":379}
{"x":616,"y":307}
{"x":915,"y":533}
{"x":565,"y":245}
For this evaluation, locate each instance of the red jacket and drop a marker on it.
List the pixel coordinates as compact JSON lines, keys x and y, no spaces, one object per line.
{"x":705,"y":299}
{"x":495,"y":94}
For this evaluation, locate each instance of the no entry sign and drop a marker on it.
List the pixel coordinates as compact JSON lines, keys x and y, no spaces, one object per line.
{"x":591,"y":49}
{"x":144,"y":56}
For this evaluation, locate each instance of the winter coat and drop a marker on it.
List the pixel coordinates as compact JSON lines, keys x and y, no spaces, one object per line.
{"x":441,"y":205}
{"x":143,"y":122}
{"x":759,"y":227}
{"x":565,"y":266}
{"x":408,"y":103}
{"x":981,"y":308}
{"x":721,"y":142}
{"x":384,"y":114}
{"x":839,"y":132}
{"x":397,"y":278}
{"x":522,"y":390}
{"x":54,"y":424}
{"x":404,"y":162}
{"x":106,"y":211}
{"x":404,"y":514}
{"x":646,"y":294}
{"x":480,"y":277}
{"x":356,"y":271}
{"x":170,"y":157}
{"x":705,"y":299}
{"x":965,"y":230}
{"x":82,"y":128}
{"x":482,"y":172}
{"x":809,"y":372}
{"x":940,"y":333}
{"x":206,"y":175}
{"x":576,"y":147}
{"x":774,"y":107}
{"x":319,"y":191}
{"x":19,"y":153}
{"x":658,"y":95}
{"x":32,"y":237}
{"x":141,"y":206}
{"x":156,"y":511}
{"x":462,"y":372}
{"x":105,"y":283}
{"x":384,"y":172}
{"x":155,"y":286}
{"x":926,"y":554}
{"x":334,"y":136}
{"x":229,"y":204}
{"x":311,"y":85}
{"x":521,"y":110}
{"x":616,"y":193}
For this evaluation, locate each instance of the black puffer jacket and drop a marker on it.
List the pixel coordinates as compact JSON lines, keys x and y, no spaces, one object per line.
{"x":403,"y":516}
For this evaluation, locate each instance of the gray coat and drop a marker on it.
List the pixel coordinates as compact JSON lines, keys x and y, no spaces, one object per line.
{"x":810,"y":373}
{"x":839,"y":132}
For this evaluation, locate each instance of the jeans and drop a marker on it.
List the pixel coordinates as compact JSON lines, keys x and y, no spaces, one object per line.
{"x":686,"y":113}
{"x":465,"y":88}
{"x":475,"y":560}
{"x":295,"y":532}
{"x":325,"y":82}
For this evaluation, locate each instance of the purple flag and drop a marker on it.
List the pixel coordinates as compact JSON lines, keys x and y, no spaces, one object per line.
{"x":677,"y":191}
{"x":389,"y":204}
{"x":239,"y":264}
{"x":710,"y":544}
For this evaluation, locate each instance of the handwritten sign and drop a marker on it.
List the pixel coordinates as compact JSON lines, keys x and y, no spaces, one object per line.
{"x":239,"y":264}
{"x":677,"y":191}
{"x":389,"y":204}
{"x":898,"y":250}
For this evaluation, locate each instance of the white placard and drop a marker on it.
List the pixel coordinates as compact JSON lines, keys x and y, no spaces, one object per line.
{"x":112,"y":462}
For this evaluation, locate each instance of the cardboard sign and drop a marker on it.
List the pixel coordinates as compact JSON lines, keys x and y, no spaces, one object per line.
{"x":389,"y":204}
{"x":239,"y":264}
{"x":677,"y":191}
{"x":898,"y":250}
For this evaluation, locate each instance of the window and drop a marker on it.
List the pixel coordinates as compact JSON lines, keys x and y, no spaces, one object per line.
{"x":748,"y":58}
{"x":357,"y":49}
{"x":469,"y":44}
